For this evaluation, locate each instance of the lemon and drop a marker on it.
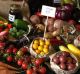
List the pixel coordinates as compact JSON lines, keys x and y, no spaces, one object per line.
{"x":47,"y":42}
{"x":36,"y":41}
{"x":40,"y":48}
{"x":45,"y":50}
{"x":42,"y":53}
{"x":35,"y":46}
{"x":37,"y":51}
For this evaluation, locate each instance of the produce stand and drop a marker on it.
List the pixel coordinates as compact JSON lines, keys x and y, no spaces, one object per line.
{"x":26,"y":46}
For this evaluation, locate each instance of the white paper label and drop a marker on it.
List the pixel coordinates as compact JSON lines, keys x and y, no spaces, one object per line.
{"x":11,"y":18}
{"x":48,"y":11}
{"x":56,"y":1}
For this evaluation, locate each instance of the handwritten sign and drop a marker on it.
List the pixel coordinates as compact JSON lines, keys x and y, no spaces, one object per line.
{"x":48,"y":11}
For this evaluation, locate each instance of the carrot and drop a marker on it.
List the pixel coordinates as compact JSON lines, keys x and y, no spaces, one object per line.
{"x":7,"y":66}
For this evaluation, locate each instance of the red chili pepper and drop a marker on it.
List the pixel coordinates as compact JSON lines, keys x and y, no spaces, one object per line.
{"x":9,"y":26}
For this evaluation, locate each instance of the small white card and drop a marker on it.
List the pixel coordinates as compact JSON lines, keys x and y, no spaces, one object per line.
{"x":48,"y":11}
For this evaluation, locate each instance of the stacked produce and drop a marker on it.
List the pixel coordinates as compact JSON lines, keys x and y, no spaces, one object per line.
{"x":24,"y":43}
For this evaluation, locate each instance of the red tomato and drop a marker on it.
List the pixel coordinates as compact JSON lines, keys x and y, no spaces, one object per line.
{"x":24,"y":65}
{"x":29,"y":71}
{"x":9,"y":26}
{"x":28,"y":59}
{"x":24,"y":50}
{"x":19,"y":62}
{"x":2,"y":44}
{"x":9,"y":58}
{"x":42,"y":70}
{"x":9,"y":50}
{"x":15,"y":50}
{"x":39,"y":61}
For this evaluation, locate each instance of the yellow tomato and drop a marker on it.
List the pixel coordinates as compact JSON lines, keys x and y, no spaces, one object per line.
{"x":35,"y":46}
{"x":41,"y":40}
{"x":36,"y":41}
{"x":45,"y":50}
{"x":47,"y":42}
{"x":42,"y":43}
{"x":46,"y":46}
{"x":40,"y":48}
{"x":42,"y":53}
{"x":37,"y":51}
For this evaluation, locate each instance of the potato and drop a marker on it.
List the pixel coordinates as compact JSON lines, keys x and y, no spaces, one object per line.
{"x":35,"y":19}
{"x":40,"y":27}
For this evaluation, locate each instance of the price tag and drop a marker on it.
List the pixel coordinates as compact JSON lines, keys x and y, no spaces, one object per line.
{"x":48,"y":11}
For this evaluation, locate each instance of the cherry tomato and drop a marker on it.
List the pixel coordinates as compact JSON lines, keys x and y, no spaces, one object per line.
{"x":24,"y":65}
{"x":9,"y":58}
{"x":29,"y":71}
{"x":24,"y":50}
{"x":19,"y":62}
{"x":28,"y":59}
{"x":9,"y":50}
{"x":39,"y":61}
{"x":9,"y":26}
{"x":15,"y":50}
{"x":42,"y":70}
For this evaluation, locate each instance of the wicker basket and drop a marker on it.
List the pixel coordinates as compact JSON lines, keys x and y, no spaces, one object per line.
{"x":51,"y":50}
{"x":57,"y":69}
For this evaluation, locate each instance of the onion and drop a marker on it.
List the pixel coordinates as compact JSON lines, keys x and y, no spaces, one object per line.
{"x":58,"y":23}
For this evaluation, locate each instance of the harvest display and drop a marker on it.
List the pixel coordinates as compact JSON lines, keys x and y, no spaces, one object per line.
{"x":25,"y":48}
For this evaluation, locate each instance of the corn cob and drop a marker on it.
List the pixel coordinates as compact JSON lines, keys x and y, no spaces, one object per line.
{"x":74,"y":49}
{"x":63,"y":48}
